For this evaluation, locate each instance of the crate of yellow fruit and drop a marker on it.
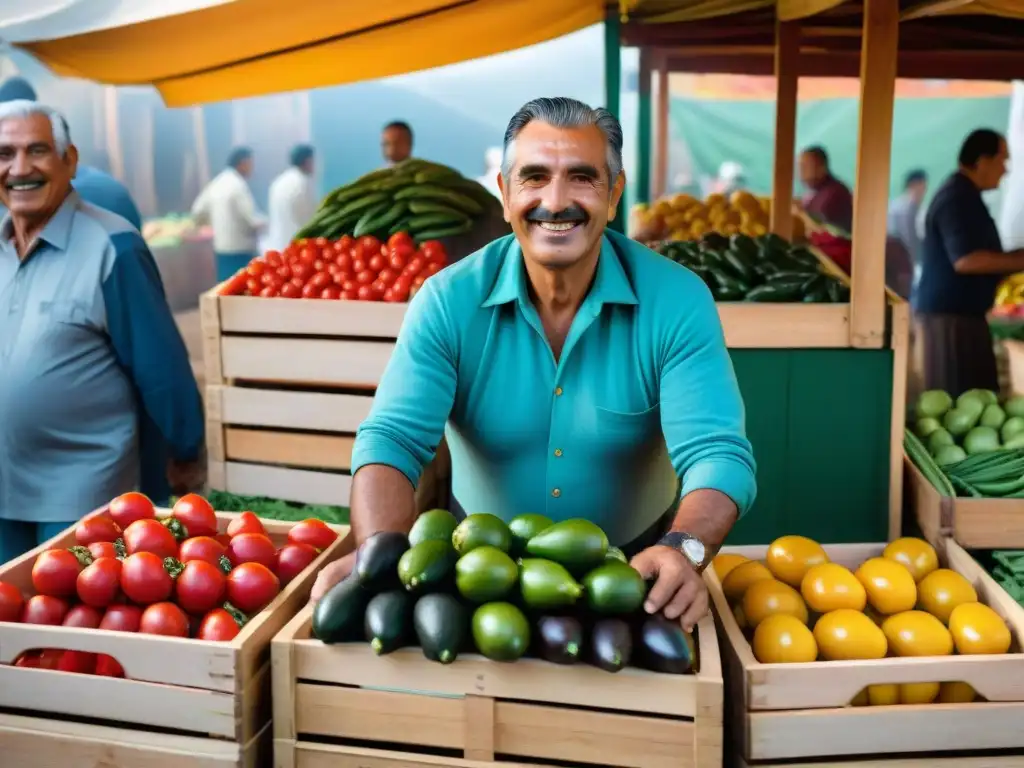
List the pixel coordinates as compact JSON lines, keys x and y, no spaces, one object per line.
{"x":866,"y":652}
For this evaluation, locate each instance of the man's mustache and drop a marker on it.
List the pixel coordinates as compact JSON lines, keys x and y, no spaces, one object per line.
{"x":572,"y":213}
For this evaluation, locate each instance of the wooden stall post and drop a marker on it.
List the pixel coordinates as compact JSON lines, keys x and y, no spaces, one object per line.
{"x":871,"y":193}
{"x":642,"y":191}
{"x":661,"y":147}
{"x":787,"y":72}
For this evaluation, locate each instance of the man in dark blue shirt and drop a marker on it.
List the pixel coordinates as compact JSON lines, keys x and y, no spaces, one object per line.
{"x":962,"y":262}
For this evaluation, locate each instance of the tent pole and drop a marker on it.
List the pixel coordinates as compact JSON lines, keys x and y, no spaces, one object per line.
{"x":787,"y":73}
{"x":612,"y":88}
{"x":643,"y":131}
{"x":661,"y":149}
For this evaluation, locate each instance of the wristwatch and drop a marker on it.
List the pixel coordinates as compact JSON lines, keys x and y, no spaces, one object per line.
{"x":691,"y":547}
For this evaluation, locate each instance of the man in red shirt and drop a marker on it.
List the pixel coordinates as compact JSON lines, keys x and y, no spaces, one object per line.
{"x":827,"y":200}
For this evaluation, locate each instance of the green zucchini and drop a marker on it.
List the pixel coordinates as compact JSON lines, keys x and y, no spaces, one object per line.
{"x":434,"y":175}
{"x":368,"y":216}
{"x":440,"y":232}
{"x":739,"y":264}
{"x":775,"y":292}
{"x":436,"y":192}
{"x":381,"y":219}
{"x":360,"y":205}
{"x":436,"y":221}
{"x":727,"y":287}
{"x":432,"y":206}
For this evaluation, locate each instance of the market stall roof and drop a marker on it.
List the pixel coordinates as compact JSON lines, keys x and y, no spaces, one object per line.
{"x":234,"y":49}
{"x":962,"y":39}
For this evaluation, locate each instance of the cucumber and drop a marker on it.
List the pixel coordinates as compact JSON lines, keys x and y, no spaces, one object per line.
{"x":442,"y":194}
{"x":432,"y":175}
{"x":368,"y":217}
{"x":402,"y":225}
{"x":342,"y":195}
{"x":775,"y":292}
{"x":380,"y":173}
{"x":437,"y":234}
{"x":397,"y":181}
{"x":431,"y":206}
{"x":739,"y":264}
{"x":374,"y":198}
{"x":436,"y":221}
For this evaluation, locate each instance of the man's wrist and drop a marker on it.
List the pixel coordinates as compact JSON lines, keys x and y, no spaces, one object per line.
{"x":696,"y":552}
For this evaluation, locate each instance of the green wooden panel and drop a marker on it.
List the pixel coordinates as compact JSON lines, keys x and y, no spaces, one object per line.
{"x":819,"y":423}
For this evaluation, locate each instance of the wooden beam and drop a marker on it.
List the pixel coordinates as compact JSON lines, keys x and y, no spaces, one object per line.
{"x":933,"y":8}
{"x":662,"y":156}
{"x":871,"y":190}
{"x":642,"y":189}
{"x":787,"y":68}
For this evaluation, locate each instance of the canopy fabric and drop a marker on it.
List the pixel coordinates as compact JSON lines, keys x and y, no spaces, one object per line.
{"x":254,"y":47}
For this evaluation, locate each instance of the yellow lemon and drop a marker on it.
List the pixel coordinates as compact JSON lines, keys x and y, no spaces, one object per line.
{"x":956,"y":693}
{"x":890,"y":586}
{"x":742,"y":576}
{"x":790,"y":557}
{"x":918,"y":693}
{"x":943,"y":590}
{"x":977,"y":629}
{"x":916,"y":633}
{"x":860,"y":700}
{"x":916,"y":555}
{"x":768,"y":598}
{"x":741,"y":619}
{"x":783,"y":639}
{"x":883,"y":695}
{"x":830,"y":586}
{"x":724,"y":563}
{"x":848,"y":634}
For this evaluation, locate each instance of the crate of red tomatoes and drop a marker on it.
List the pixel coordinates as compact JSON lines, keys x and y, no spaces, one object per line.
{"x":141,"y":631}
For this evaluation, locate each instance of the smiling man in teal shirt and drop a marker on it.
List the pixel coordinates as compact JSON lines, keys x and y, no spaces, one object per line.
{"x":576,"y":374}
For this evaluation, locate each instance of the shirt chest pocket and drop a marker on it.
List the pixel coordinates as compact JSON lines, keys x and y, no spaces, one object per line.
{"x":627,"y":433}
{"x":63,"y":323}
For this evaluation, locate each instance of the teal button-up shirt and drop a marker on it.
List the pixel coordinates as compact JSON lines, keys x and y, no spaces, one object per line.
{"x":641,"y":408}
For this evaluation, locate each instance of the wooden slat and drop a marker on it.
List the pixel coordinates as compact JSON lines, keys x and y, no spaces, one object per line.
{"x":787,"y":68}
{"x":354,"y":364}
{"x":785,"y":326}
{"x":322,"y":411}
{"x":292,"y":449}
{"x":299,"y":485}
{"x":900,"y":319}
{"x":310,"y":317}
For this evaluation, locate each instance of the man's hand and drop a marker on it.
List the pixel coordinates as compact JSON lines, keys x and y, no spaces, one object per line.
{"x":678,"y":591}
{"x":186,"y":476}
{"x":331,"y":574}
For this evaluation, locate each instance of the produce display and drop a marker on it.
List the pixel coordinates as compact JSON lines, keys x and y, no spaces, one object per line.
{"x":1009,"y":301}
{"x":972,"y":446}
{"x":764,"y":269}
{"x":349,"y":268}
{"x":1007,"y":568}
{"x":557,"y":591}
{"x":170,"y":230}
{"x":132,"y":572}
{"x":798,"y":606}
{"x":428,"y":200}
{"x":683,"y":217}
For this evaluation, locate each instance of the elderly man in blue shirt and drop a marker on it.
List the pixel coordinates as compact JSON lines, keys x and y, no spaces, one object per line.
{"x":88,"y":346}
{"x":575,"y":373}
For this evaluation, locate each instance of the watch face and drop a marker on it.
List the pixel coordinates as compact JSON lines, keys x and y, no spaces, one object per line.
{"x":694,"y":550}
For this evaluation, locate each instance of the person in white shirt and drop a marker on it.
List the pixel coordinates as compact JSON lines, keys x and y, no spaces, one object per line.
{"x":228,"y":206}
{"x":489,"y":181}
{"x":292,"y":199}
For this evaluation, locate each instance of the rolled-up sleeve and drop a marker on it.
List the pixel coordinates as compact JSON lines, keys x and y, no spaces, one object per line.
{"x":416,"y":392}
{"x":149,"y":346}
{"x":701,"y":409}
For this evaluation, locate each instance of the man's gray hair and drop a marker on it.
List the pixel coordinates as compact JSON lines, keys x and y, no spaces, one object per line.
{"x":563,"y":112}
{"x":22,"y":108}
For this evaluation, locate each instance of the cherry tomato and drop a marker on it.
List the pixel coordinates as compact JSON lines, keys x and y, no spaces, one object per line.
{"x":83,"y":616}
{"x":366,"y":293}
{"x":331,"y":292}
{"x":348,"y":295}
{"x":200,"y":586}
{"x":196,"y":514}
{"x":415,"y":266}
{"x":246,"y":522}
{"x":108,"y":666}
{"x":204,"y":548}
{"x":103,"y":549}
{"x":376,"y":263}
{"x":399,"y":238}
{"x":321,"y":242}
{"x":129,"y":507}
{"x":273,"y":258}
{"x":270,"y":292}
{"x":344,"y":262}
{"x":290,"y":291}
{"x":310,"y":291}
{"x":319,"y":265}
{"x":256,"y":268}
{"x":100,"y":582}
{"x":96,"y":529}
{"x":388,"y":276}
{"x":252,"y":548}
{"x":144,"y":579}
{"x":164,"y":619}
{"x":369,"y":243}
{"x":218,"y":625}
{"x":235,"y":285}
{"x":28,"y":660}
{"x":251,"y":587}
{"x":389,"y":295}
{"x":252,"y":286}
{"x":379,"y":286}
{"x":346,"y":242}
{"x":55,"y":572}
{"x":122,"y":618}
{"x":397,"y":262}
{"x":44,"y":609}
{"x":400,"y":290}
{"x":417,"y":282}
{"x":11,"y":602}
{"x":293,"y":559}
{"x":433,"y":249}
{"x":432,"y":268}
{"x":321,"y":280}
{"x":358,"y":265}
{"x":340,"y":278}
{"x":314,"y":532}
{"x":150,"y":536}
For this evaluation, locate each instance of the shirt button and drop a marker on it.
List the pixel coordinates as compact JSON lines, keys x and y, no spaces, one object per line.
{"x":558,"y":390}
{"x":558,"y":451}
{"x":556,"y":493}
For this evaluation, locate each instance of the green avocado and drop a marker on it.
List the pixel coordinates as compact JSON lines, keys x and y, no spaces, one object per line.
{"x":485,"y":574}
{"x":545,"y":584}
{"x":614,"y":553}
{"x":338,"y":615}
{"x":435,"y":524}
{"x":427,"y":566}
{"x":993,"y":416}
{"x":614,"y":589}
{"x":524,"y":528}
{"x":481,"y":530}
{"x":501,"y":631}
{"x":377,"y":559}
{"x":961,"y":420}
{"x":388,"y":619}
{"x":577,"y":544}
{"x":442,"y":626}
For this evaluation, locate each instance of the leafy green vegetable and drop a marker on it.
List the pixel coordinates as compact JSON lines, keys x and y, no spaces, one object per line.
{"x":275,"y":509}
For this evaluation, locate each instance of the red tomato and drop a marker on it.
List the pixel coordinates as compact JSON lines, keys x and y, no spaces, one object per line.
{"x":388,"y":276}
{"x":302,"y":270}
{"x":366,"y":293}
{"x":270,"y":292}
{"x":11,"y":602}
{"x":251,"y":587}
{"x":28,"y":660}
{"x":432,"y":268}
{"x":204,"y":548}
{"x":284,"y":272}
{"x":252,"y":286}
{"x":80,"y":662}
{"x":218,"y":625}
{"x":235,"y":285}
{"x":344,"y":262}
{"x":256,"y":268}
{"x":400,"y":290}
{"x":379,"y":286}
{"x":417,"y":282}
{"x":290,"y":291}
{"x":108,"y":666}
{"x":122,"y":618}
{"x":96,"y":529}
{"x":150,"y":536}
{"x":293,"y":559}
{"x":310,"y":291}
{"x":370,"y":243}
{"x":331,"y":292}
{"x":273,"y":258}
{"x":103,"y":549}
{"x":83,"y":616}
{"x":55,"y":572}
{"x":129,"y":507}
{"x":49,"y":658}
{"x":399,"y":238}
{"x":349,"y":295}
{"x":196,"y":514}
{"x":100,"y":582}
{"x":366,"y":277}
{"x":246,"y":522}
{"x":415,"y":266}
{"x":144,"y":579}
{"x":433,"y":250}
{"x":200,"y":587}
{"x":340,"y":278}
{"x":389,"y":295}
{"x":314,"y":532}
{"x":397,"y":262}
{"x":164,"y":619}
{"x":43,"y":609}
{"x":346,"y":241}
{"x":358,"y":265}
{"x":321,"y":242}
{"x":252,"y":548}
{"x":224,"y":539}
{"x":376,"y":263}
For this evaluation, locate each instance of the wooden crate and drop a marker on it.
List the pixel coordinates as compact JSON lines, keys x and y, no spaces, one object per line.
{"x":218,"y":692}
{"x":1015,"y":365}
{"x":802,"y":711}
{"x":343,"y":707}
{"x":973,"y":523}
{"x":288,"y":383}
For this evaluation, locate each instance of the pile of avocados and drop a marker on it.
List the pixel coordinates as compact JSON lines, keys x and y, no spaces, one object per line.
{"x":765,"y":268}
{"x":554,"y":591}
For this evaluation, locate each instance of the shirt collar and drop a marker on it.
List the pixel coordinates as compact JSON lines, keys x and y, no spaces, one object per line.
{"x":57,"y":231}
{"x":611,"y":285}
